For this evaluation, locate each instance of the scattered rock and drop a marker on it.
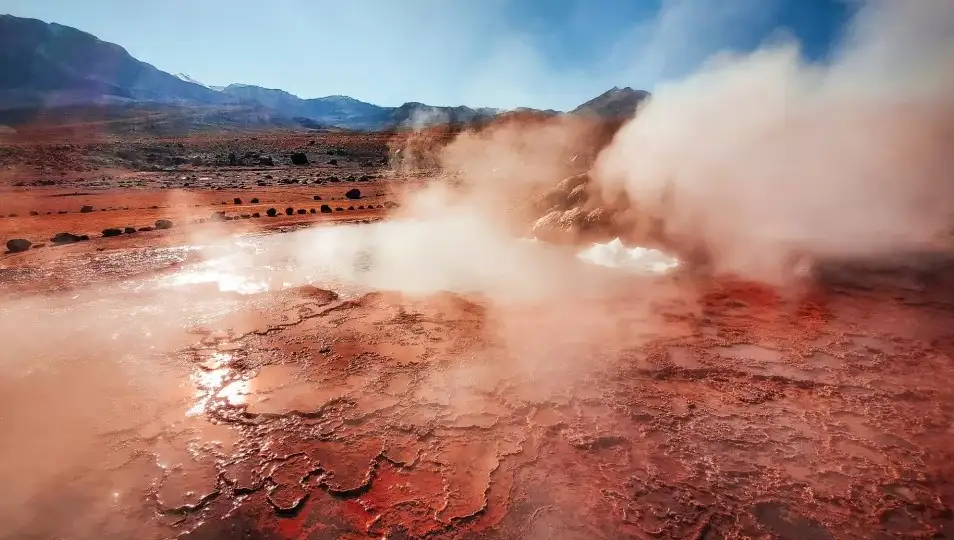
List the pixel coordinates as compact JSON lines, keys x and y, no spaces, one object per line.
{"x":317,"y":197}
{"x":256,"y":215}
{"x":145,"y":229}
{"x":353,"y":193}
{"x":577,"y":196}
{"x":64,"y":238}
{"x":572,"y":182}
{"x":84,"y":237}
{"x":299,"y":158}
{"x":572,"y":218}
{"x":254,"y":201}
{"x":163,"y":224}
{"x":17,"y":245}
{"x":85,"y":209}
{"x":597,"y":219}
{"x":339,"y":209}
{"x":107,"y":233}
{"x":289,"y":211}
{"x":271,"y":212}
{"x":302,"y":211}
{"x":350,"y":208}
{"x":545,"y":226}
{"x":312,"y":211}
{"x":129,"y":230}
{"x":325,"y":209}
{"x":246,"y":216}
{"x":237,"y":200}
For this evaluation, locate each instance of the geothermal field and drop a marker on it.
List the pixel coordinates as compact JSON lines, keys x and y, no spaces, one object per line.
{"x":730,"y":315}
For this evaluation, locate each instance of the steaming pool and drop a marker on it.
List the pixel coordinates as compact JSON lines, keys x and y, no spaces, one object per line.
{"x":352,"y":260}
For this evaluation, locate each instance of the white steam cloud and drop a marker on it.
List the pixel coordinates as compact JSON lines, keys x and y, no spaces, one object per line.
{"x":761,"y":156}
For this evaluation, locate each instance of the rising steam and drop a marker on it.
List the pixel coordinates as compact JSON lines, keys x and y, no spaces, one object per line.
{"x":761,"y":156}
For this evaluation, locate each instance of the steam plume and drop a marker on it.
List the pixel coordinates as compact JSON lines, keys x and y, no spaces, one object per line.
{"x":762,"y":155}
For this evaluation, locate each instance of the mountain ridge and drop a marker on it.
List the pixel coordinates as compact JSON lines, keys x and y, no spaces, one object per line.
{"x":49,"y":65}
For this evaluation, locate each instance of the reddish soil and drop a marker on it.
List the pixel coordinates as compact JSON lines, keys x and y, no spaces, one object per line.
{"x":664,"y":408}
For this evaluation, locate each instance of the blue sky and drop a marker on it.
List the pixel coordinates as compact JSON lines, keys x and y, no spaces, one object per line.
{"x":499,"y":53}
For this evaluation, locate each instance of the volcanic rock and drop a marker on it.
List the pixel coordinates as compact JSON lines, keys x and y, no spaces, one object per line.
{"x":17,"y":245}
{"x":64,"y":238}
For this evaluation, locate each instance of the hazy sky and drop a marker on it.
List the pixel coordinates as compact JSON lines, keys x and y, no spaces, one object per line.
{"x":500,"y":53}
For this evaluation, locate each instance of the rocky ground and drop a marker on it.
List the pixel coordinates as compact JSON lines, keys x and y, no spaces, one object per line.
{"x":140,"y":403}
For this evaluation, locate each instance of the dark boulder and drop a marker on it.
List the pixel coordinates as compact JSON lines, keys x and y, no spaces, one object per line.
{"x":332,"y":162}
{"x":299,"y":158}
{"x":17,"y":245}
{"x":34,"y":213}
{"x":237,"y":200}
{"x":302,"y":211}
{"x":289,"y":211}
{"x":129,"y":230}
{"x":112,"y":231}
{"x":64,"y":238}
{"x":325,"y":209}
{"x":312,"y":211}
{"x":271,"y":212}
{"x":86,"y":209}
{"x":317,"y":197}
{"x":254,"y":201}
{"x":256,"y":215}
{"x":145,"y":229}
{"x":353,"y":193}
{"x":163,"y":224}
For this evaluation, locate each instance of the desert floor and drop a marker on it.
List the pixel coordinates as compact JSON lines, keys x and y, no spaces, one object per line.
{"x":216,"y":380}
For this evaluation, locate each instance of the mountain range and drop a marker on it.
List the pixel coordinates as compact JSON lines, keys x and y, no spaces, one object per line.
{"x":47,"y":66}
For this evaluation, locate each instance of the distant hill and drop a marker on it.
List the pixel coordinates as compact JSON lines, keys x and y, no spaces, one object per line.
{"x":614,"y":103}
{"x":51,"y":65}
{"x":47,"y":66}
